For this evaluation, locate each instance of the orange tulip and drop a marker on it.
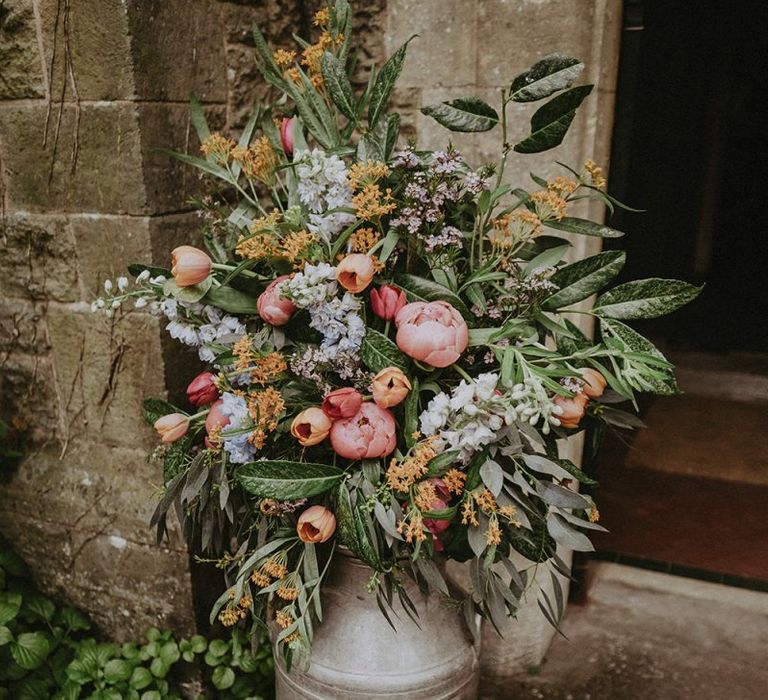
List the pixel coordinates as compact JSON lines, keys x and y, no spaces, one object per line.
{"x":390,"y":387}
{"x":172,"y":427}
{"x":316,"y":524}
{"x":594,"y":382}
{"x":572,"y":409}
{"x":311,"y":426}
{"x":355,"y":272}
{"x":189,"y":265}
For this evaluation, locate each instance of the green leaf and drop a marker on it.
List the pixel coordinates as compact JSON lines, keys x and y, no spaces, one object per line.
{"x":140,"y":678}
{"x":393,"y":131}
{"x":646,"y":298}
{"x":550,"y":123}
{"x":38,"y":607}
{"x":223,"y":677}
{"x":337,"y":85}
{"x":136,"y":269}
{"x":378,"y":352}
{"x":117,"y":671}
{"x":284,"y":480}
{"x":156,"y":408}
{"x":467,"y":114}
{"x":200,"y":164}
{"x":373,"y":143}
{"x":585,"y":227}
{"x":10,"y":603}
{"x":547,"y":258}
{"x":634,"y":342}
{"x":30,"y":650}
{"x":583,"y":278}
{"x":191,"y":294}
{"x":231,"y":300}
{"x":411,"y":413}
{"x":73,"y":620}
{"x":197,"y":117}
{"x":5,"y":635}
{"x":566,"y":535}
{"x":420,"y":289}
{"x":352,"y":529}
{"x":554,"y":72}
{"x":385,"y":81}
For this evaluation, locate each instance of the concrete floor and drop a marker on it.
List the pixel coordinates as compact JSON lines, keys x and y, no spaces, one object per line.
{"x":650,"y":636}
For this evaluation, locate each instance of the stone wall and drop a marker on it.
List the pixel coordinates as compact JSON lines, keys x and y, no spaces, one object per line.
{"x":89,"y":90}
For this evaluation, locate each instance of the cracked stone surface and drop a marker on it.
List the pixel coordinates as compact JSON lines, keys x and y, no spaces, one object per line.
{"x":649,"y":636}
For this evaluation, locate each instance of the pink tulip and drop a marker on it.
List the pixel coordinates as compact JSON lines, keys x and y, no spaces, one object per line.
{"x":202,"y":389}
{"x":355,"y":272}
{"x":316,"y":524}
{"x":573,"y":409}
{"x":342,"y":403}
{"x":273,"y":308}
{"x":172,"y":427}
{"x":390,"y":387}
{"x":387,"y":300}
{"x":434,"y":333}
{"x":189,"y":265}
{"x":216,"y":418}
{"x":311,"y":426}
{"x":286,"y":134}
{"x":594,"y":382}
{"x":370,"y":433}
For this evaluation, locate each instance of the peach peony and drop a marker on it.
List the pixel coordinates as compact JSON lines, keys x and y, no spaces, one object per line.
{"x":273,"y":308}
{"x":370,"y":433}
{"x":434,"y":333}
{"x":311,"y":426}
{"x":189,"y":265}
{"x":594,"y":382}
{"x":573,"y":409}
{"x":390,"y":387}
{"x":355,"y":272}
{"x":387,"y":300}
{"x":342,"y":403}
{"x":172,"y":427}
{"x":316,"y":524}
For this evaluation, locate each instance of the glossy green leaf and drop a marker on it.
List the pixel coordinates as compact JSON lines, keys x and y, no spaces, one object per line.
{"x":140,"y":678}
{"x":585,"y":227}
{"x":385,"y":81}
{"x":117,"y":670}
{"x":378,"y":352}
{"x":337,"y":85}
{"x":284,"y":480}
{"x":420,"y":289}
{"x":554,"y":72}
{"x":466,"y":114}
{"x":10,"y":604}
{"x":352,"y":530}
{"x":223,"y":677}
{"x":30,"y":650}
{"x":5,"y":635}
{"x":231,"y":300}
{"x":550,"y":123}
{"x":646,"y":298}
{"x":583,"y":278}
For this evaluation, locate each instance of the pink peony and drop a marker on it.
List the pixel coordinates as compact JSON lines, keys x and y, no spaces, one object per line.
{"x":342,"y":403}
{"x":387,"y":300}
{"x":434,"y":333}
{"x":370,"y":433}
{"x":202,"y":390}
{"x":274,"y":309}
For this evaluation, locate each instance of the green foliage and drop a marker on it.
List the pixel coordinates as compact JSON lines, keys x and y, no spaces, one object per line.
{"x":463,"y":114}
{"x":552,"y":73}
{"x":284,"y":480}
{"x":378,"y":352}
{"x":49,"y":651}
{"x":550,"y":123}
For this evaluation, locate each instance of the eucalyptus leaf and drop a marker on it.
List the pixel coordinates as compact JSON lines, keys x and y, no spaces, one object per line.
{"x":284,"y":480}
{"x":560,"y":496}
{"x":466,"y":114}
{"x":554,"y":72}
{"x":493,"y":476}
{"x":583,"y":278}
{"x":566,"y":535}
{"x":648,"y":298}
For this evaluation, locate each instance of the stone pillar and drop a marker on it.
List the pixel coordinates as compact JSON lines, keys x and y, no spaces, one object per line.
{"x":476,"y":47}
{"x":89,"y":90}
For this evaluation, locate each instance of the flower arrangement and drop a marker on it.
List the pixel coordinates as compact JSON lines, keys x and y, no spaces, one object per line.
{"x":392,"y":359}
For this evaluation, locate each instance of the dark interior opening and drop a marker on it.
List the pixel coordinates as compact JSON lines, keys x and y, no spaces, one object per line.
{"x":688,"y":494}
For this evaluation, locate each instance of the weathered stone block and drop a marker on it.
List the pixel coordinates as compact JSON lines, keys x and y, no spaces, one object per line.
{"x":444,"y":54}
{"x":104,"y":369}
{"x":21,"y":68}
{"x":22,"y":327}
{"x":107,"y":176}
{"x":39,"y":261}
{"x":178,"y":49}
{"x":93,"y":34}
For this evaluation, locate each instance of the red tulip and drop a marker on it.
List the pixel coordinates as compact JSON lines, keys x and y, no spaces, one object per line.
{"x":342,"y":403}
{"x":202,"y":389}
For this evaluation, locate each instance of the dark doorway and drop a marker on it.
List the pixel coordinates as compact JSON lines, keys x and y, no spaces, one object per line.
{"x":689,"y":494}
